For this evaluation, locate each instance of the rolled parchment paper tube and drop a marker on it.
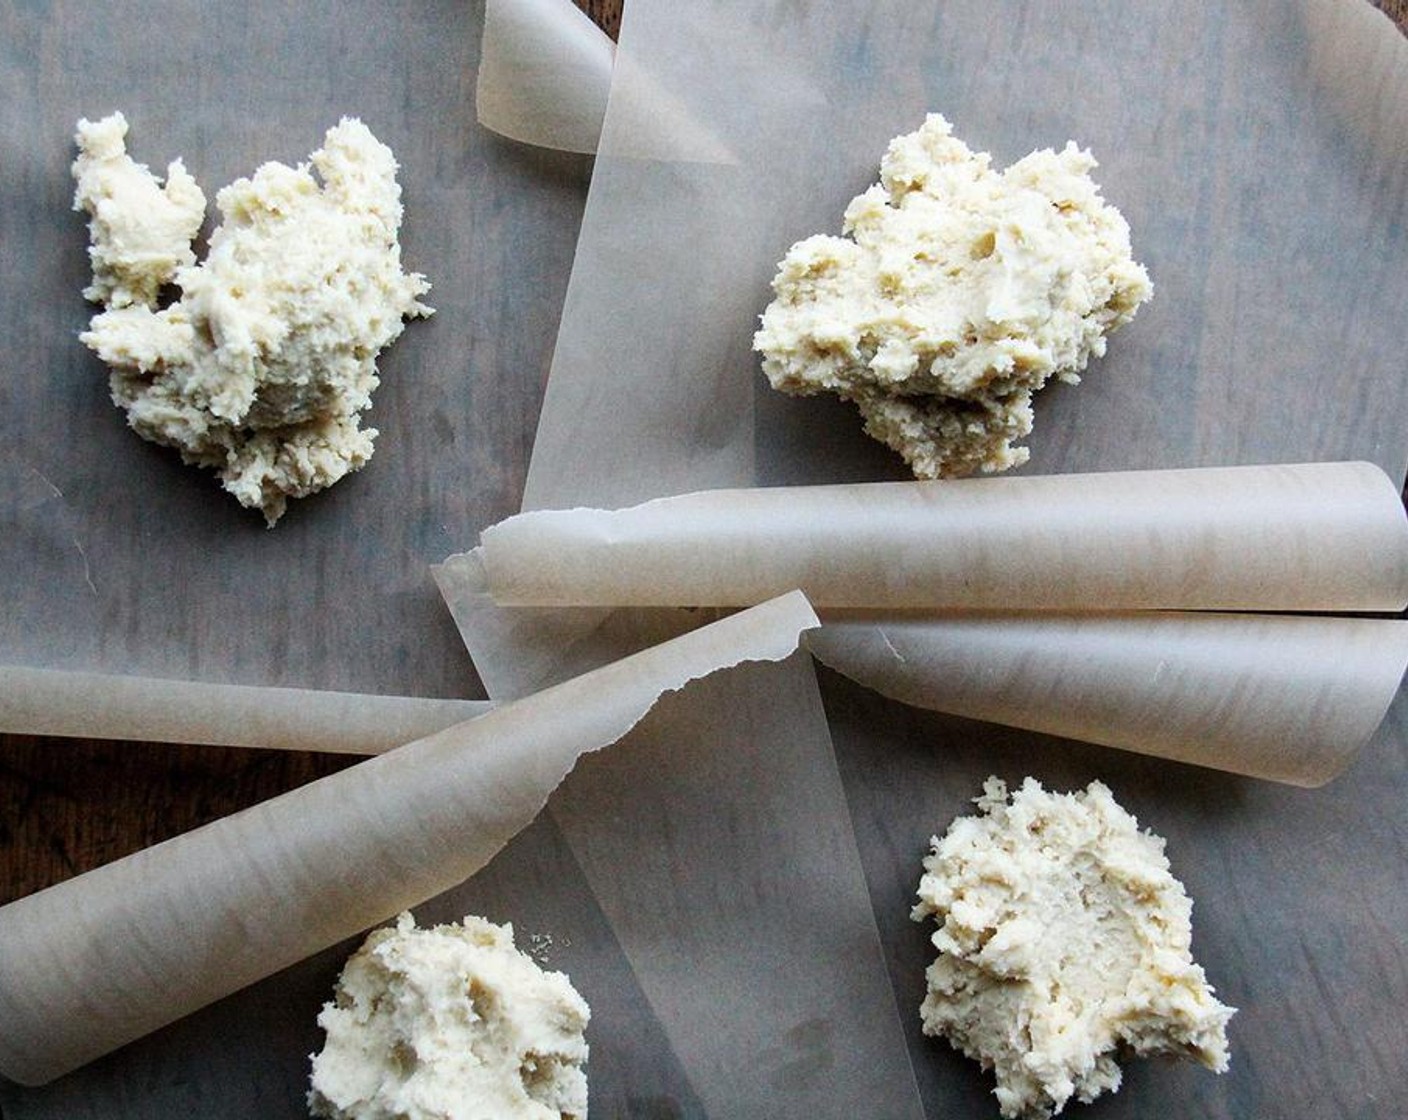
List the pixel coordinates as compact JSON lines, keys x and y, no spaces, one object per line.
{"x":100,"y":960}
{"x":544,"y":74}
{"x":1305,"y":537}
{"x":99,"y":705}
{"x":1280,"y":697}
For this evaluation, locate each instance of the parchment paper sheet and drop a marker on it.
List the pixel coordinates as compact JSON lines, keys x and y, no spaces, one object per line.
{"x":1312,"y":537}
{"x":1269,"y":218}
{"x":1268,"y":200}
{"x":1286,"y":699}
{"x":99,"y":960}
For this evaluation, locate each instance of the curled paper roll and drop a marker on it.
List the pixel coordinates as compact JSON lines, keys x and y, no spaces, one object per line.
{"x":1280,"y":697}
{"x":544,"y":74}
{"x":60,"y":702}
{"x":104,"y":958}
{"x":1308,"y":537}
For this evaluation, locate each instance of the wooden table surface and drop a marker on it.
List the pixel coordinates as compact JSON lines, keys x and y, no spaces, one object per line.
{"x":67,"y":805}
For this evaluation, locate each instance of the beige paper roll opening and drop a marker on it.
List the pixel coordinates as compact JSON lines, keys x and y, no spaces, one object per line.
{"x":1305,"y":537}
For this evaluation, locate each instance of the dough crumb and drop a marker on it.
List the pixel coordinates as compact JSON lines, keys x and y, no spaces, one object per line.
{"x":263,"y":366}
{"x":1064,"y":942}
{"x":955,"y":293}
{"x":450,"y":1023}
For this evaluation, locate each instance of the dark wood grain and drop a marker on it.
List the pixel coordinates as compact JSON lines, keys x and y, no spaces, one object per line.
{"x":68,"y":805}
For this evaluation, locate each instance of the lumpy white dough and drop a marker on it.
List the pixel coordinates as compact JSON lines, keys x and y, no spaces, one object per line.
{"x":1064,"y":942}
{"x":261,"y":370}
{"x":956,"y":292}
{"x":450,"y":1023}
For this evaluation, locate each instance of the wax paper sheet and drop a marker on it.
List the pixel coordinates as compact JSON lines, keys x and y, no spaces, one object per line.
{"x":1268,"y":201}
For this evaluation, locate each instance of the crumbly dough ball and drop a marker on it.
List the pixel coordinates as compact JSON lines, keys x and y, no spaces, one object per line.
{"x":450,"y":1023}
{"x":1064,"y":942}
{"x":956,"y":292}
{"x":140,"y":231}
{"x":263,"y":367}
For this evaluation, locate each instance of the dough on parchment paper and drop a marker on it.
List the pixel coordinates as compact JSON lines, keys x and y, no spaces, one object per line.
{"x":956,"y":292}
{"x":1064,"y":943}
{"x":450,"y":1023}
{"x":263,"y":366}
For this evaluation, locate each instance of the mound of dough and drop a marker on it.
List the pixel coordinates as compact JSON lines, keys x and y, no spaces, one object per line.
{"x":957,"y":292}
{"x":262,"y":368}
{"x":1064,"y":942}
{"x":450,"y":1023}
